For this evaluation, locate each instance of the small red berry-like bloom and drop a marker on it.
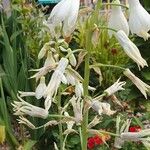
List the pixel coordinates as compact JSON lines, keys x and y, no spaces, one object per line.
{"x":91,"y":143}
{"x":135,"y":129}
{"x":114,"y":51}
{"x":98,"y":140}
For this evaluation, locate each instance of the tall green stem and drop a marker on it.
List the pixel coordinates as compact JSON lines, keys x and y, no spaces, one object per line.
{"x":88,"y":46}
{"x":85,"y":116}
{"x":60,"y":125}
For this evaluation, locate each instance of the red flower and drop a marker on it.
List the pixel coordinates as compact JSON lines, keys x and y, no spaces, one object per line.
{"x":91,"y":143}
{"x":134,"y":129}
{"x":98,"y":140}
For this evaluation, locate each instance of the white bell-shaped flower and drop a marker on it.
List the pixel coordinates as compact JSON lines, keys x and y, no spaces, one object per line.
{"x":66,"y":12}
{"x":117,"y":20}
{"x":130,"y":48}
{"x":40,"y":88}
{"x":117,"y":86}
{"x":139,"y":19}
{"x":143,"y":87}
{"x":56,"y":79}
{"x":49,"y":60}
{"x":102,"y":108}
{"x":72,"y":58}
{"x":78,"y":89}
{"x":25,"y":108}
{"x":25,"y":121}
{"x":77,"y":109}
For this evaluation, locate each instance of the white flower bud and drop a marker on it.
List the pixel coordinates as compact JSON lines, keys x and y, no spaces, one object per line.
{"x":40,"y":88}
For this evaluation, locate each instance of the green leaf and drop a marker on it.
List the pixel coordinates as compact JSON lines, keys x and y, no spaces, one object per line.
{"x":146,"y":75}
{"x":29,"y":144}
{"x":14,"y":35}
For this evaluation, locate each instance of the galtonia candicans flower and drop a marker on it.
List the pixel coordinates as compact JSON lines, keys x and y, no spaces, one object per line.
{"x":66,"y":13}
{"x":119,"y":130}
{"x":77,"y":109}
{"x":56,"y":79}
{"x":117,"y":86}
{"x":25,"y":108}
{"x":139,"y":19}
{"x":143,"y":87}
{"x":25,"y":121}
{"x":40,"y":88}
{"x":49,"y":60}
{"x":117,"y":20}
{"x":72,"y":58}
{"x":130,"y":49}
{"x":136,"y":136}
{"x":102,"y":108}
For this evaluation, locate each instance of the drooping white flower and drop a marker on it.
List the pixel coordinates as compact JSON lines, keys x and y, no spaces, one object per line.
{"x":49,"y":60}
{"x":40,"y":88}
{"x":6,"y":5}
{"x":117,"y":20}
{"x":42,"y":71}
{"x":43,"y":51}
{"x":139,"y":19}
{"x":72,"y":58}
{"x":66,"y":13}
{"x":135,"y":136}
{"x":143,"y":87}
{"x":94,"y":122}
{"x":70,"y":124}
{"x":117,"y":86}
{"x":70,"y":78}
{"x":25,"y":121}
{"x":119,"y":130}
{"x":78,"y":89}
{"x":130,"y":49}
{"x":142,"y":136}
{"x":102,"y":108}
{"x":25,"y":108}
{"x":56,"y":79}
{"x":77,"y":109}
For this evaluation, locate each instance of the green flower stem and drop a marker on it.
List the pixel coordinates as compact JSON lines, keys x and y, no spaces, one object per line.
{"x":114,"y":4}
{"x":85,"y":116}
{"x":64,"y":143}
{"x":100,"y":97}
{"x":60,"y":124}
{"x":74,"y":51}
{"x":88,"y":46}
{"x":107,"y":28}
{"x":105,"y":65}
{"x":102,"y":132}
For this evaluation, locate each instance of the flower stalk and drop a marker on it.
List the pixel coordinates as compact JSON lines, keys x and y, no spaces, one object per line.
{"x":114,"y":4}
{"x":88,"y":47}
{"x":60,"y":125}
